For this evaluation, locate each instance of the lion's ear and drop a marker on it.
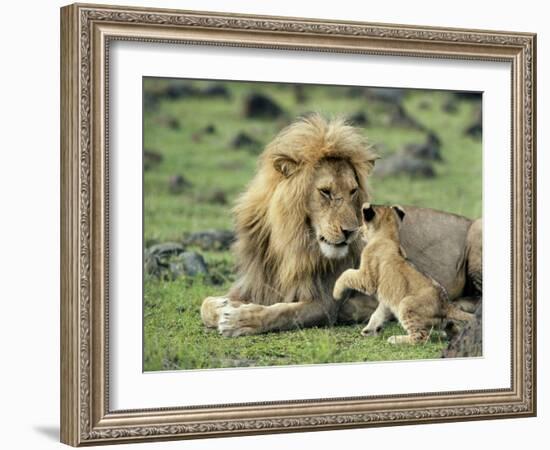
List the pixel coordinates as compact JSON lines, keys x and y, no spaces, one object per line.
{"x":285,"y":165}
{"x":371,"y":161}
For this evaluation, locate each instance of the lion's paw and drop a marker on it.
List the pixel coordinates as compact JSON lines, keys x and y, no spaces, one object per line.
{"x":210,"y":310}
{"x":239,"y":321}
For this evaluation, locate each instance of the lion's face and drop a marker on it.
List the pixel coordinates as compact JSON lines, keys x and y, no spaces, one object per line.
{"x":334,"y":207}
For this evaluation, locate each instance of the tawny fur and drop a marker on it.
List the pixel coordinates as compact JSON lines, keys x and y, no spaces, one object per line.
{"x":278,"y":258}
{"x":277,"y":250}
{"x":294,"y":241}
{"x":416,"y":300}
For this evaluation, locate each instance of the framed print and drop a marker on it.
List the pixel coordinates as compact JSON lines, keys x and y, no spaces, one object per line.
{"x":276,"y":224}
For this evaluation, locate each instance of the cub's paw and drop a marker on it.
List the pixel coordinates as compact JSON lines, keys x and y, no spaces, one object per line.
{"x":339,"y":291}
{"x":243,"y":320}
{"x":371,"y":331}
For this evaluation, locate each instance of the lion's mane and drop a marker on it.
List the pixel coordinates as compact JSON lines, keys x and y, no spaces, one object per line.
{"x":277,"y":255}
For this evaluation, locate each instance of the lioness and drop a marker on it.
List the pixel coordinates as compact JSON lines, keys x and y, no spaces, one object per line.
{"x":416,"y":300}
{"x":296,"y":232}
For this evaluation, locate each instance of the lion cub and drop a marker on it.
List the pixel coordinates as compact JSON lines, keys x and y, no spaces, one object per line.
{"x":417,"y":301}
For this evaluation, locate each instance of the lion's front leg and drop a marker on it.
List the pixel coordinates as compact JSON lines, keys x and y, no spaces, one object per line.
{"x":248,"y":319}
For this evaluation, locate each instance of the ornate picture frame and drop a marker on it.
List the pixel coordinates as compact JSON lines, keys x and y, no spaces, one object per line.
{"x":86,"y":34}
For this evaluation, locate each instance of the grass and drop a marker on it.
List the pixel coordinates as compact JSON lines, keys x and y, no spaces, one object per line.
{"x":174,"y":337}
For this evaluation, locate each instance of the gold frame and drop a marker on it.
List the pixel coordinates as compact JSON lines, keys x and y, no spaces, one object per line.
{"x":86,"y":31}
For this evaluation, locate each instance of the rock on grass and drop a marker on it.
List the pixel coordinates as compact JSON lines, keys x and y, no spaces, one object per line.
{"x":151,"y":158}
{"x":260,"y":106}
{"x":475,"y":128}
{"x":167,"y":122}
{"x":215,"y":90}
{"x":189,"y":263}
{"x":469,"y":341}
{"x":216,"y":197}
{"x":359,"y":119}
{"x":178,"y":183}
{"x":243,"y":141}
{"x":211,"y":239}
{"x":450,"y":106}
{"x":176,"y":90}
{"x":156,"y":257}
{"x":429,"y":149}
{"x":385,"y":95}
{"x":166,"y":249}
{"x":404,"y":164}
{"x":400,"y":118}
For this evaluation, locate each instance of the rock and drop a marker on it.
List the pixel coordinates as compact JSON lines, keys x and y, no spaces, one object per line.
{"x":356,"y":91}
{"x":430,"y":149}
{"x":400,"y":118}
{"x":299,"y":93}
{"x":359,"y":119}
{"x":177,"y":89}
{"x":211,"y":239}
{"x":150,"y":101}
{"x":469,"y":341}
{"x":244,"y":140}
{"x":450,"y":105}
{"x":190,"y":264}
{"x":178,"y":183}
{"x":157,"y":256}
{"x":404,"y":164}
{"x":168,"y":122}
{"x":209,"y":129}
{"x":424,"y":105}
{"x":216,"y":197}
{"x":475,"y":129}
{"x":166,"y":249}
{"x":387,"y":95}
{"x":260,"y":106}
{"x":169,"y":260}
{"x":153,"y":265}
{"x":151,"y":158}
{"x":215,"y":90}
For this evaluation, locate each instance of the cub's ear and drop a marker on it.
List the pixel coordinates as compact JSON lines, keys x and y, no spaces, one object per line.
{"x":285,"y":165}
{"x":399,"y":211}
{"x":368,"y":212}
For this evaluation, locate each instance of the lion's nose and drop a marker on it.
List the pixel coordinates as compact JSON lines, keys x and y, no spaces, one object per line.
{"x":348,"y":232}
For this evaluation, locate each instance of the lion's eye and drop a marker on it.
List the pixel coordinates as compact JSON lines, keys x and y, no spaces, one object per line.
{"x":353,"y":192}
{"x":325,"y":192}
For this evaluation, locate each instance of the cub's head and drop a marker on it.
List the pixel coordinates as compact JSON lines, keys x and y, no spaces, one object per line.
{"x":381,"y":220}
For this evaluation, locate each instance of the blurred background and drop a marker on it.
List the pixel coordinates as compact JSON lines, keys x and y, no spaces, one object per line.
{"x":201,"y":142}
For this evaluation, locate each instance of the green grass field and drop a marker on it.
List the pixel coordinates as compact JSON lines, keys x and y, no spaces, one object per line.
{"x":174,"y":335}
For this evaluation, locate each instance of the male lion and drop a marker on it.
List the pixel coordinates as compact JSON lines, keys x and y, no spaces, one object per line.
{"x":296,"y":228}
